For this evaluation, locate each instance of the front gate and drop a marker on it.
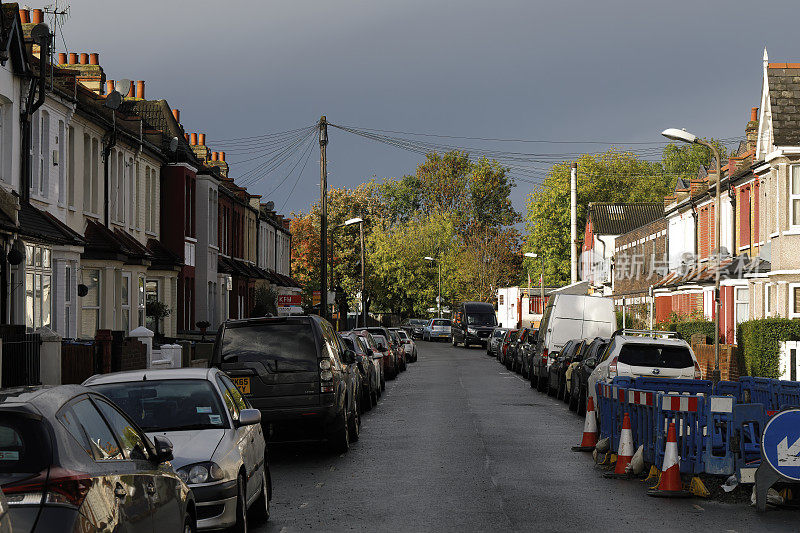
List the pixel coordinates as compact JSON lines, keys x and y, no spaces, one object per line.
{"x":20,"y":356}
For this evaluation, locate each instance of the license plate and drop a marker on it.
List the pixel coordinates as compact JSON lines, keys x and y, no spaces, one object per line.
{"x":243,"y":384}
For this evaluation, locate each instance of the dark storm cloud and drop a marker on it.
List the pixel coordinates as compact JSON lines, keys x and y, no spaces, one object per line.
{"x":566,"y":70}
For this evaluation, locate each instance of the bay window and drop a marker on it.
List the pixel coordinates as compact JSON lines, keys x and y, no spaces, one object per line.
{"x":38,"y":284}
{"x":90,"y":304}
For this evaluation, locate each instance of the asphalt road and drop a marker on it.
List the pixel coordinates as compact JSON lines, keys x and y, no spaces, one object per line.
{"x":457,"y":443}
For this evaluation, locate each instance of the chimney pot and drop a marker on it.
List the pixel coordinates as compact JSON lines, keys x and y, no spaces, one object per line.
{"x":84,"y":58}
{"x":131,"y":91}
{"x":215,"y":156}
{"x":193,"y":139}
{"x":37,"y":16}
{"x":73,"y":58}
{"x":754,"y":114}
{"x":109,"y":86}
{"x":201,"y":140}
{"x":25,"y":16}
{"x":62,"y":58}
{"x":222,"y":156}
{"x":177,"y":114}
{"x":186,"y":136}
{"x":94,"y":58}
{"x":140,"y":89}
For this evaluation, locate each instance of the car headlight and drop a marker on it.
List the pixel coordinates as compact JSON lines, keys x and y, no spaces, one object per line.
{"x":201,"y":473}
{"x":471,"y":331}
{"x":325,"y":364}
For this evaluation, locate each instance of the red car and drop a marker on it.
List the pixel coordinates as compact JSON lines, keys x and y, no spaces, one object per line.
{"x":508,"y":339}
{"x":374,"y":347}
{"x":384,"y":341}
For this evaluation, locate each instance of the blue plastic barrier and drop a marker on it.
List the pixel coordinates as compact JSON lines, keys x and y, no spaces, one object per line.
{"x":641,"y":409}
{"x":728,"y":388}
{"x":748,"y":423}
{"x":758,"y":390}
{"x":688,"y":414}
{"x":719,"y":457}
{"x":787,"y":394}
{"x":677,"y":386}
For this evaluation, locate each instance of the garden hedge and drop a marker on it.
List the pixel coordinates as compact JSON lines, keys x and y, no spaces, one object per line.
{"x":759,"y":344}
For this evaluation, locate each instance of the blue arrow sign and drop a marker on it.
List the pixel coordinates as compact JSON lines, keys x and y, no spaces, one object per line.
{"x":780,"y":443}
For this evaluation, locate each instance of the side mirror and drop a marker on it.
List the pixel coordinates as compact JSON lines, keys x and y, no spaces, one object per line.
{"x":163,"y":449}
{"x":349,"y":357}
{"x":249,"y":417}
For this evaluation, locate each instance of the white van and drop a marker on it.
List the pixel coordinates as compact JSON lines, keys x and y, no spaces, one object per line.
{"x":567,"y":317}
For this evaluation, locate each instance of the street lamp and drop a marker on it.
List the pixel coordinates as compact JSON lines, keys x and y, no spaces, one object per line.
{"x":439,"y":299}
{"x":349,"y":222}
{"x":684,"y":136}
{"x":541,"y":279}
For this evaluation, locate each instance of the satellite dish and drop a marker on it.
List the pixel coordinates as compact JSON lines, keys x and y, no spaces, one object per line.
{"x":270,"y":206}
{"x":41,"y":34}
{"x":123,"y":86}
{"x":173,"y":144}
{"x":113,"y":100}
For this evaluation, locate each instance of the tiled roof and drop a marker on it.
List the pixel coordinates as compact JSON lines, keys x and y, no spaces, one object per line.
{"x":116,"y":245}
{"x":784,"y":99}
{"x":157,"y":117}
{"x":161,"y":257}
{"x":616,"y":219}
{"x":42,"y":226}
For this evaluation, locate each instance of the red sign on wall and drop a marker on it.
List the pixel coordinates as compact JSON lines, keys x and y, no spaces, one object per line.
{"x":289,"y":300}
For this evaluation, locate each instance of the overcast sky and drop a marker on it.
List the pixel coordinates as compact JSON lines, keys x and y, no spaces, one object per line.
{"x":558,"y":70}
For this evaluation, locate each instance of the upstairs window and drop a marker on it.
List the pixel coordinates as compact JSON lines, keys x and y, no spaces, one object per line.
{"x":794,"y":196}
{"x":71,"y":166}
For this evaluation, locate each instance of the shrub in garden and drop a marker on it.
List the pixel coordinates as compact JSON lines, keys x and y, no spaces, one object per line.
{"x":760,"y":342}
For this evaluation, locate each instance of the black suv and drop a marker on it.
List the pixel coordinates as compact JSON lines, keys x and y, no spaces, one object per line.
{"x":297,"y":371}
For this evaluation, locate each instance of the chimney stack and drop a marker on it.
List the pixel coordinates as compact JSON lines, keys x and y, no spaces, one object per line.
{"x":215,"y":156}
{"x":140,"y":89}
{"x":94,"y":58}
{"x":84,"y":58}
{"x":193,"y":139}
{"x":62,"y":58}
{"x":753,"y":113}
{"x":177,"y":114}
{"x":751,"y":130}
{"x":25,"y":16}
{"x":201,"y":139}
{"x":37,"y":16}
{"x":73,"y":58}
{"x":222,"y":156}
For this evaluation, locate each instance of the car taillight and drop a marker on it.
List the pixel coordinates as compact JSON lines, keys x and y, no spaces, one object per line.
{"x":697,"y":373}
{"x":63,"y":487}
{"x":325,"y":376}
{"x":612,"y":367}
{"x":545,"y":353}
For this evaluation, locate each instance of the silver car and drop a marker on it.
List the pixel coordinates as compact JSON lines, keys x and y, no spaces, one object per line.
{"x":219,"y":446}
{"x":437,"y":328}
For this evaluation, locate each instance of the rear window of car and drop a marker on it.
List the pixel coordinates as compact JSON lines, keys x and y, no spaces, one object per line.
{"x":654,"y":355}
{"x":280,"y":346}
{"x":24,"y":444}
{"x":380,"y":339}
{"x":441,"y":322}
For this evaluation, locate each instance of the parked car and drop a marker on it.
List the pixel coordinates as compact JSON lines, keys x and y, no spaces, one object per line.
{"x":383,"y":339}
{"x":493,"y":344}
{"x":556,"y":374}
{"x":473,"y":323}
{"x":220,"y":449}
{"x":437,"y":329}
{"x":569,"y":316}
{"x":369,"y":377}
{"x":297,"y":372}
{"x":527,"y":352}
{"x":516,"y":351}
{"x":73,"y":461}
{"x":508,"y":338}
{"x":377,"y":358}
{"x":414,"y":327}
{"x":399,"y":349}
{"x":409,"y":346}
{"x":644,"y":353}
{"x":581,"y":370}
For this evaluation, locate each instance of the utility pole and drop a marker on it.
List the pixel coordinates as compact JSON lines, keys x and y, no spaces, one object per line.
{"x":323,"y":191}
{"x":439,"y":302}
{"x":573,"y":222}
{"x":363,"y":296}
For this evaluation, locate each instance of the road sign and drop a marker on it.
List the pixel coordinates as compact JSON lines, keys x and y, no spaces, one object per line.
{"x":781,"y":443}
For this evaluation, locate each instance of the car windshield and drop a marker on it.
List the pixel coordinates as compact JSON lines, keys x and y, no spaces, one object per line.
{"x":635,"y":354}
{"x":280,"y":346}
{"x":481,"y":319}
{"x":24,"y":444}
{"x":168,"y":405}
{"x":441,"y":322}
{"x":418,"y":322}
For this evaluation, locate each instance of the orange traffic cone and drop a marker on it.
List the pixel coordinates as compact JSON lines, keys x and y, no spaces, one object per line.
{"x":625,"y":450}
{"x":669,"y":486}
{"x":589,"y":430}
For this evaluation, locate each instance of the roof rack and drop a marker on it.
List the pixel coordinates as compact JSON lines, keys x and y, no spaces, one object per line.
{"x":646,"y":333}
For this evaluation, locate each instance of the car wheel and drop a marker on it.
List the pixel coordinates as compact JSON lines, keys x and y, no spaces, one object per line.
{"x":260,"y":508}
{"x":241,"y":505}
{"x":188,"y":525}
{"x":573,"y":397}
{"x":355,"y":424}
{"x":341,"y":439}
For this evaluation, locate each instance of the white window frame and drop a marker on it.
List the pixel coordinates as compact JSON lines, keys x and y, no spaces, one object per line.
{"x":62,"y":167}
{"x":126,"y":277}
{"x":794,"y":305}
{"x":69,"y":283}
{"x":767,"y":300}
{"x":738,"y":300}
{"x":92,"y":308}
{"x":142,"y":297}
{"x":87,"y":173}
{"x":794,"y":197}
{"x":70,"y":132}
{"x":36,"y":271}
